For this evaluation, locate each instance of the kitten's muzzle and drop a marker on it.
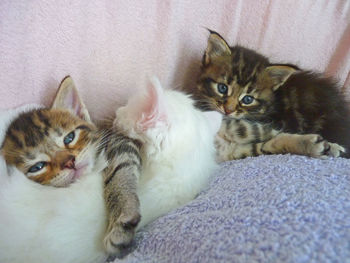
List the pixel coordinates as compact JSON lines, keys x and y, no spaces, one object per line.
{"x":227,"y":110}
{"x":69,"y":163}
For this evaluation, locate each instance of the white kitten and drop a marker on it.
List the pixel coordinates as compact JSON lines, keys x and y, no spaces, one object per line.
{"x":178,"y":150}
{"x":42,"y":224}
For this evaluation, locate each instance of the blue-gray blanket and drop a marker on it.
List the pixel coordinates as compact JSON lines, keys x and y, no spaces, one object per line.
{"x":280,"y":208}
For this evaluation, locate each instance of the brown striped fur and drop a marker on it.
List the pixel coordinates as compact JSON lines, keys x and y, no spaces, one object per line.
{"x":39,"y":136}
{"x":261,"y":100}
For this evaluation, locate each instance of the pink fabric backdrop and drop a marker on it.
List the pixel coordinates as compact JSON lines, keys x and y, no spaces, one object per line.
{"x":108,"y":46}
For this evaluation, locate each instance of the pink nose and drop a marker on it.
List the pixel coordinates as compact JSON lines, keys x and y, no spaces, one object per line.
{"x":70,"y":163}
{"x":228,"y":111}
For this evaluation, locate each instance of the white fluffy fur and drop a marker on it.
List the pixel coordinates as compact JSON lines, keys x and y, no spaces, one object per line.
{"x":46,"y":224}
{"x":178,"y":147}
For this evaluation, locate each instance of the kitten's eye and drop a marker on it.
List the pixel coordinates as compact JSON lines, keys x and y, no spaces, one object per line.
{"x":37,"y":167}
{"x":222,"y":88}
{"x":247,"y":99}
{"x":69,"y":138}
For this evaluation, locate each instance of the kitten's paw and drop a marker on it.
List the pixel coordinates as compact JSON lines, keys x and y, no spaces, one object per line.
{"x":121,"y":232}
{"x":336,"y":150}
{"x":318,"y":147}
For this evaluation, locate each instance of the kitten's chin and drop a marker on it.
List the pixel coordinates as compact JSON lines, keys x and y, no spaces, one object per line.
{"x":79,"y":170}
{"x":71,"y":176}
{"x":235,"y":117}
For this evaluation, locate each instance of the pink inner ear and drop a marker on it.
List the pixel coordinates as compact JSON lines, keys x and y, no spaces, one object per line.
{"x":72,"y":102}
{"x":154,"y":112}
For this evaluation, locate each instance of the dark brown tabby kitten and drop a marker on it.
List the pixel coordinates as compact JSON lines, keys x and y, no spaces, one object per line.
{"x":57,"y":145}
{"x":270,"y":108}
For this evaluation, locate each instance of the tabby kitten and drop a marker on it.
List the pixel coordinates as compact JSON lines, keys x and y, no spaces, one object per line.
{"x":270,"y":108}
{"x":57,"y":146}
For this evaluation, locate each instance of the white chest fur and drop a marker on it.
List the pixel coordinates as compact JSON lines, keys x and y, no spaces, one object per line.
{"x":45,"y":224}
{"x":165,"y":185}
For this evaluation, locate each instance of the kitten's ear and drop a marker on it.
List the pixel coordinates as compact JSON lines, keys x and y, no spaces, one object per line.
{"x":217,"y":46}
{"x":154,"y":110}
{"x":67,"y":97}
{"x":279,"y":74}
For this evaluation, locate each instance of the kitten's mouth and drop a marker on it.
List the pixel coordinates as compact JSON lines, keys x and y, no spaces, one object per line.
{"x":78,"y":171}
{"x":231,"y":114}
{"x":235,"y":117}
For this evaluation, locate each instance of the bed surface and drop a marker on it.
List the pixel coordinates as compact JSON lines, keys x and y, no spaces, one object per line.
{"x":281,"y":208}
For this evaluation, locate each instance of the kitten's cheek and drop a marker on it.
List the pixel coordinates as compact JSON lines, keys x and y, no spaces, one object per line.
{"x":222,"y":109}
{"x":236,"y":115}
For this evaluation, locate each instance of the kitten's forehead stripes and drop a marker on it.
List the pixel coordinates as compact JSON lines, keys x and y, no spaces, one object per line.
{"x":30,"y":155}
{"x":250,"y":88}
{"x":33,"y":133}
{"x":31,"y":128}
{"x":83,"y":127}
{"x":43,"y":119}
{"x":14,"y":139}
{"x":247,"y":64}
{"x":25,"y":131}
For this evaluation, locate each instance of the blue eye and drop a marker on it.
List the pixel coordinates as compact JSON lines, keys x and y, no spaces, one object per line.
{"x":247,"y":99}
{"x":222,"y":88}
{"x":37,"y":167}
{"x":69,"y":138}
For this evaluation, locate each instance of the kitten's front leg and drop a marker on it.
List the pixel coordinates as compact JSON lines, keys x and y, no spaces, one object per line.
{"x":229,"y":150}
{"x":122,"y":202}
{"x":238,"y":139}
{"x":312,"y":145}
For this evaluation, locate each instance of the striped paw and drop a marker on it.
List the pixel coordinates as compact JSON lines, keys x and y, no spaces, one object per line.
{"x":121,"y":232}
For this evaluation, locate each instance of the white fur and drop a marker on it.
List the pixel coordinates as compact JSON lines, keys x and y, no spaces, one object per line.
{"x":47,"y":224}
{"x":178,"y":150}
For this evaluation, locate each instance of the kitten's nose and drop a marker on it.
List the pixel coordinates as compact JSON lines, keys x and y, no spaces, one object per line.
{"x":230,"y":105}
{"x":70,"y":162}
{"x":228,"y":111}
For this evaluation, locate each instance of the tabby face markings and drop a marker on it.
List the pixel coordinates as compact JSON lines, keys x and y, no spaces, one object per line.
{"x":53,"y":146}
{"x":61,"y":148}
{"x":40,"y":165}
{"x":232,"y":99}
{"x":236,"y":81}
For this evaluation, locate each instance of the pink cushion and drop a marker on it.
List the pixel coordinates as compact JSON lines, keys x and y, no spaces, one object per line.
{"x":109,"y":46}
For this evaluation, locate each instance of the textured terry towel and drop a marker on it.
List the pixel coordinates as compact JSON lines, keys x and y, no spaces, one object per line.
{"x":107,"y":45}
{"x":265,"y":209}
